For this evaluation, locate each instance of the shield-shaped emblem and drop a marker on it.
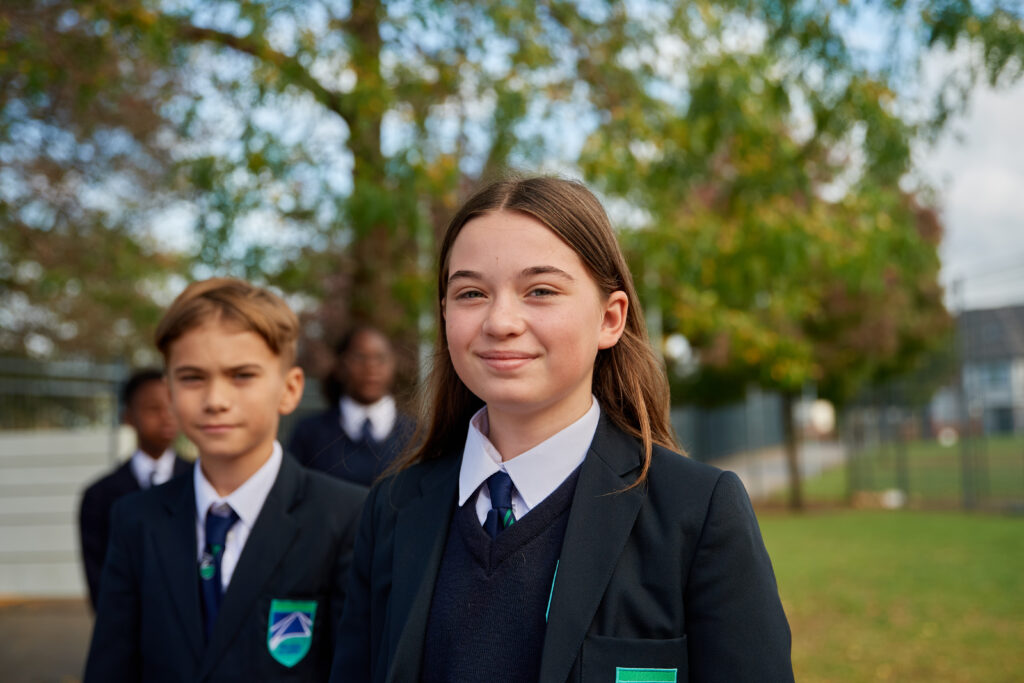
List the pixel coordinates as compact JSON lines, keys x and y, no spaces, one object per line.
{"x":290,"y":630}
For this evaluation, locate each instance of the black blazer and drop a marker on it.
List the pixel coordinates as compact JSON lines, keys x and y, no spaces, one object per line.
{"x":94,"y":517}
{"x":672,"y":574}
{"x":320,"y":443}
{"x":149,"y":620}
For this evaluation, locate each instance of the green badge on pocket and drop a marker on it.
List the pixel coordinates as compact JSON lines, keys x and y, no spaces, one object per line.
{"x":290,"y":630}
{"x":628,"y":675}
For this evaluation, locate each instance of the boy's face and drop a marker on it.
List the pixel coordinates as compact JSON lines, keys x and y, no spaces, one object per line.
{"x":228,"y":390}
{"x":149,"y":413}
{"x":368,"y":367}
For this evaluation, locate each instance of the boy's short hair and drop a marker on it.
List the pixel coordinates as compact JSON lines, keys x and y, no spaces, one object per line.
{"x":252,"y":308}
{"x":138,"y":379}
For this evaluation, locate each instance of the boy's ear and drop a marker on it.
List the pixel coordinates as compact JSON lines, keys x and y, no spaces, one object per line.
{"x":294,"y":381}
{"x":614,"y":322}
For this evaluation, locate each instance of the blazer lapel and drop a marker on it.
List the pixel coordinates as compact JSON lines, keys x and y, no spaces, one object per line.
{"x":177,"y":551}
{"x":600,"y":521}
{"x":421,"y":531}
{"x":272,"y":535}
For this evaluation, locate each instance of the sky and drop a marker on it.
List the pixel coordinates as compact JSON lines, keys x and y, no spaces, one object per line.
{"x":978,"y":166}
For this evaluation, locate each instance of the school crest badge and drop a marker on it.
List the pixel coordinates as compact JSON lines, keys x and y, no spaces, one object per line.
{"x":290,"y":630}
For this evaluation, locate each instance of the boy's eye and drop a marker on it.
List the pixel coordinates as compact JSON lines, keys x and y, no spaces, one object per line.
{"x":189,"y":379}
{"x":244,"y":375}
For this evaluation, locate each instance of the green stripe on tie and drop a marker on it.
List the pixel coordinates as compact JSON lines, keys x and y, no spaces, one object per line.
{"x":509,"y":519}
{"x":628,"y":675}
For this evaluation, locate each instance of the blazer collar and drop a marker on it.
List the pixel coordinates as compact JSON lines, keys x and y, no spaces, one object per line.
{"x":272,"y":536}
{"x":602,"y":516}
{"x":421,"y":531}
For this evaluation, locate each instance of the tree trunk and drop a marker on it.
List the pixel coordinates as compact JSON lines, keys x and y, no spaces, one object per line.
{"x":792,"y":444}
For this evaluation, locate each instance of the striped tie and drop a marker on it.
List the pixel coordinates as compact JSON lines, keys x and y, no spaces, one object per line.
{"x":217,"y":527}
{"x":500,"y":515}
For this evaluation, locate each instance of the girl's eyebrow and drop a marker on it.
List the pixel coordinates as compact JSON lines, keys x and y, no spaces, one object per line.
{"x":467,"y":274}
{"x":526,"y":272}
{"x":547,"y":270}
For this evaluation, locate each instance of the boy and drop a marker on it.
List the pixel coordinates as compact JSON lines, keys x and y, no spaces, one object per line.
{"x":236,"y":572}
{"x":362,"y":432}
{"x":147,"y":409}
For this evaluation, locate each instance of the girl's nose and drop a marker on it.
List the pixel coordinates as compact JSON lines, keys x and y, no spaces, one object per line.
{"x":504,"y":319}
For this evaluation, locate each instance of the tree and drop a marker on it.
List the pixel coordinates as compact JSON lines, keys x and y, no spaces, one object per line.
{"x":777,"y":235}
{"x":765,"y":164}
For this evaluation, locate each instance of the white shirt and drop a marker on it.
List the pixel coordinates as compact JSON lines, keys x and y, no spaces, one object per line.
{"x":381,"y":415}
{"x":247,"y":501}
{"x":535,"y":473}
{"x":149,"y":472}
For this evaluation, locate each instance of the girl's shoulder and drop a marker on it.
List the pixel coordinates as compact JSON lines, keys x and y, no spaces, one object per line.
{"x":411,"y":483}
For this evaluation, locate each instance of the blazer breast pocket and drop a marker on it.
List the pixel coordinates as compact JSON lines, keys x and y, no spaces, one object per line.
{"x":634,"y":660}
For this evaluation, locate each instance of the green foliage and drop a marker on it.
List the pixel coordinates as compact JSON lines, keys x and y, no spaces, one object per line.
{"x":320,"y":147}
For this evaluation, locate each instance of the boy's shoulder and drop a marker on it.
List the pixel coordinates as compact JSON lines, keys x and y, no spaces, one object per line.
{"x":324,"y":487}
{"x":116,"y":479}
{"x":139,"y":508}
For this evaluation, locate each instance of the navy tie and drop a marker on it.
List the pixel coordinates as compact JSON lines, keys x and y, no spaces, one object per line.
{"x":368,"y":431}
{"x":217,"y":527}
{"x":500,"y":515}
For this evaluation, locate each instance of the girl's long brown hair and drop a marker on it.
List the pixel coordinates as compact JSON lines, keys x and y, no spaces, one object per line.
{"x":629,"y":381}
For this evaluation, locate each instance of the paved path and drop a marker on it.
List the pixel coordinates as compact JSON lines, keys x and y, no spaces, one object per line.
{"x":43,"y":641}
{"x":764,"y":472}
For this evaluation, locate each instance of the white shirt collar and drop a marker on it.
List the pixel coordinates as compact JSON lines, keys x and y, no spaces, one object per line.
{"x":535,"y":473}
{"x":147,"y":470}
{"x":247,"y":500}
{"x":381,"y":415}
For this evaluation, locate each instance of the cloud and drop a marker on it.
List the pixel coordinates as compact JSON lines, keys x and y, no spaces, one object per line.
{"x":978,"y":166}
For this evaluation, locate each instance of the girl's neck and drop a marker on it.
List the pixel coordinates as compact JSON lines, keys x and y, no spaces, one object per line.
{"x":512,"y":434}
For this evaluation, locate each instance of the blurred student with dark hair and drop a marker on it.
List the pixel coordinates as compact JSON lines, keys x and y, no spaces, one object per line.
{"x":146,"y":407}
{"x":362,"y":432}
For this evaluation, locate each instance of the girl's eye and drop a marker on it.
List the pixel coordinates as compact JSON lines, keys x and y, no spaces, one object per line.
{"x":542,"y":292}
{"x":469,"y":294}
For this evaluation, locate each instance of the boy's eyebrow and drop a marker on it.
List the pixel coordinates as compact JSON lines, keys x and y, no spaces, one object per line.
{"x":234,"y":368}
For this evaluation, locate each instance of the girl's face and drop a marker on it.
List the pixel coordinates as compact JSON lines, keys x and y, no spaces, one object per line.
{"x":525,"y":319}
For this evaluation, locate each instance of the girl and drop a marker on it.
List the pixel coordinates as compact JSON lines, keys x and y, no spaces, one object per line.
{"x":545,"y":530}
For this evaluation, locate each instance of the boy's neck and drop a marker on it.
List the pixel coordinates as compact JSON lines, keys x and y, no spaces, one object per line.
{"x":151,"y":452}
{"x":227,"y":474}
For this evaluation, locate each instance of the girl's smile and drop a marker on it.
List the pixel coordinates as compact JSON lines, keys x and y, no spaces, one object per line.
{"x":524,"y":320}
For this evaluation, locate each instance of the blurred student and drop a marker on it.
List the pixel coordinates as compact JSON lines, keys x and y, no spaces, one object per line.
{"x":363,"y":431}
{"x":546,"y":530}
{"x":147,"y":410}
{"x":237,"y":571}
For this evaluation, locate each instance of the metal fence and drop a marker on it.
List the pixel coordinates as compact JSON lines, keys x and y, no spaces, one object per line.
{"x":960,"y":445}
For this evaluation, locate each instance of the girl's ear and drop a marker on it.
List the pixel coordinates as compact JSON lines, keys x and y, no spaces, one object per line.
{"x":443,"y":302}
{"x":614,"y":322}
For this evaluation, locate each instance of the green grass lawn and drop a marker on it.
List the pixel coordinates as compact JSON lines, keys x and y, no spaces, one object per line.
{"x":901,"y":596}
{"x":934,"y":473}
